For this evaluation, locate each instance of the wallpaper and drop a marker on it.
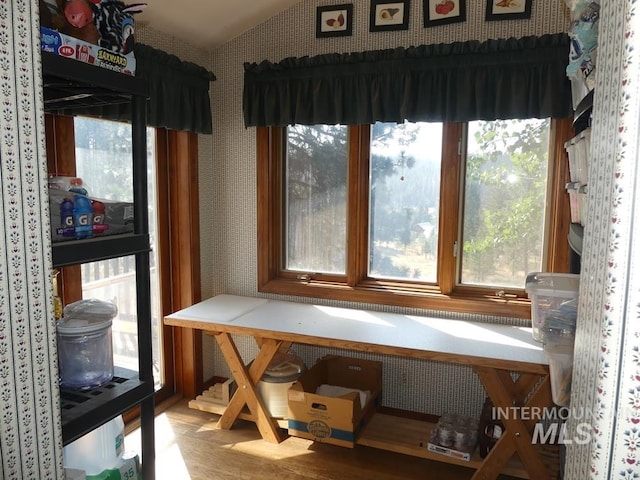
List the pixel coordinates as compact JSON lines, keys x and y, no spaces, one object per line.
{"x":30,"y":429}
{"x":292,"y":33}
{"x":607,"y":360}
{"x":607,"y":365}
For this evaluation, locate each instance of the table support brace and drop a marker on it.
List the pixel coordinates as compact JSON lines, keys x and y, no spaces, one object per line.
{"x":505,"y":393}
{"x":247,"y":380}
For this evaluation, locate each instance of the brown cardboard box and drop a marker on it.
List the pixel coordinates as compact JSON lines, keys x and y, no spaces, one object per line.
{"x":336,"y":420}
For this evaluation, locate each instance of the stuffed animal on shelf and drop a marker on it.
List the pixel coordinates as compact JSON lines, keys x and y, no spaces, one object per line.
{"x":53,"y":14}
{"x":79,"y":20}
{"x":114,"y":22}
{"x":108,"y":23}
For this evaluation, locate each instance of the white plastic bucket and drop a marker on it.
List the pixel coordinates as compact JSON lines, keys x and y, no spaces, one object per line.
{"x":274,"y":385}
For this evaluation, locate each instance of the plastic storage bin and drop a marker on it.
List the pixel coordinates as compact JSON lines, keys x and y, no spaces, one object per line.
{"x":558,"y":349}
{"x":583,"y":203}
{"x":85,"y":348}
{"x":553,"y":298}
{"x":573,"y":189}
{"x":578,"y":152}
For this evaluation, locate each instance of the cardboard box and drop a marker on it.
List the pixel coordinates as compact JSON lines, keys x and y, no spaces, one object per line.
{"x":335,"y":420}
{"x":71,"y":47}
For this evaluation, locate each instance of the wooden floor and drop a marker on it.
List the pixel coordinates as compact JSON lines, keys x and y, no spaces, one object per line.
{"x":190,"y":447}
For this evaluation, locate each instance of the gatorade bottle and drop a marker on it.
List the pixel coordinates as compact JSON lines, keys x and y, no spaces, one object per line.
{"x":98,"y":217}
{"x":76,"y":185}
{"x":83,"y":217}
{"x":66,"y":218}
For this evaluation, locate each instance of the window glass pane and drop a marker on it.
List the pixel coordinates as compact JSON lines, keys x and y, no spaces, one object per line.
{"x":316,"y":198}
{"x":505,"y":201}
{"x":404,"y":200}
{"x":104,"y":162}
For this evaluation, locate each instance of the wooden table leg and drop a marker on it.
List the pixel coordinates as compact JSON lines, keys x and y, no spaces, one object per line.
{"x":506,"y":394}
{"x":246,"y":380}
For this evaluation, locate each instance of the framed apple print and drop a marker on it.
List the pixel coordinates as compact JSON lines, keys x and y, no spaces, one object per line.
{"x":334,"y":20}
{"x":508,"y":9}
{"x":443,"y":12}
{"x":386,"y":15}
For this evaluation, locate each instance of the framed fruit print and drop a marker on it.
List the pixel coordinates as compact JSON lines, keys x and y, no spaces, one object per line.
{"x":443,"y":12}
{"x":386,"y":15}
{"x":334,"y":20}
{"x":508,"y":9}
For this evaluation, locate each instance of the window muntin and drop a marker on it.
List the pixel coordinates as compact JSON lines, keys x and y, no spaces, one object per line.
{"x":505,"y":202}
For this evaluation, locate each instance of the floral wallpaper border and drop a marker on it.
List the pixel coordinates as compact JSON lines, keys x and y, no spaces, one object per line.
{"x":606,"y":379}
{"x":30,"y":430}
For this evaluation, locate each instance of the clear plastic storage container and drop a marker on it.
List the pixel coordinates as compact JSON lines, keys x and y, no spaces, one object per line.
{"x":558,"y":349}
{"x":578,"y":152}
{"x":553,"y":299}
{"x":85,"y":348}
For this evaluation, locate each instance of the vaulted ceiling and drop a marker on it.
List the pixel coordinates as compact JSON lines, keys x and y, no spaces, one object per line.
{"x":208,"y":23}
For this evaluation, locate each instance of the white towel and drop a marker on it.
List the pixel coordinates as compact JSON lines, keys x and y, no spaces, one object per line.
{"x":336,"y":391}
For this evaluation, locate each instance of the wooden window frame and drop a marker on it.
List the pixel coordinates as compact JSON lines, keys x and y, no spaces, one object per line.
{"x":178,"y":244}
{"x":356,"y":287}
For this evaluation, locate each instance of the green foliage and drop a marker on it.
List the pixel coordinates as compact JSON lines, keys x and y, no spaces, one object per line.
{"x":505,"y":199}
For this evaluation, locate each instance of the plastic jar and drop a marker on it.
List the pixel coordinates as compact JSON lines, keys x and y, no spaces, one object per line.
{"x":85,"y":348}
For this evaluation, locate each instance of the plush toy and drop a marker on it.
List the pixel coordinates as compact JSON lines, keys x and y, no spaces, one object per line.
{"x":79,"y":20}
{"x":52,"y":15}
{"x":114,"y":22}
{"x":108,"y":23}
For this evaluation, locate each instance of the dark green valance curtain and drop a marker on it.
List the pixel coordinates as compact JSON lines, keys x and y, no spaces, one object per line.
{"x":496,"y":79}
{"x":178,"y":93}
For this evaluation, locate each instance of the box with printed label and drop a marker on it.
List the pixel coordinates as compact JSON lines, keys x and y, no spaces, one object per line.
{"x":75,"y":216}
{"x":333,"y":400}
{"x":71,"y":47}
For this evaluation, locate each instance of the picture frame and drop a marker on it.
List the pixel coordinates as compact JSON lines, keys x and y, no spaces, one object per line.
{"x":444,"y":12}
{"x":334,"y":20}
{"x":389,"y":15}
{"x":508,"y":9}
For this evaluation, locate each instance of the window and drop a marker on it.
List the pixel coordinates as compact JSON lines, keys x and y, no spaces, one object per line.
{"x":442,"y":216}
{"x":174,"y":233}
{"x":103,"y":161}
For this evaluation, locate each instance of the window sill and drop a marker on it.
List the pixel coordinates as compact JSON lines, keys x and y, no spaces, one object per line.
{"x":460,"y":303}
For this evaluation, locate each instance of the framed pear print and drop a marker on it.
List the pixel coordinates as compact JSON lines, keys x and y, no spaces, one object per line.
{"x":386,"y":15}
{"x":334,"y":20}
{"x":508,"y":9}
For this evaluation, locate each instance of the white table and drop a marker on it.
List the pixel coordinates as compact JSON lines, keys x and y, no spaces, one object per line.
{"x":493,"y":351}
